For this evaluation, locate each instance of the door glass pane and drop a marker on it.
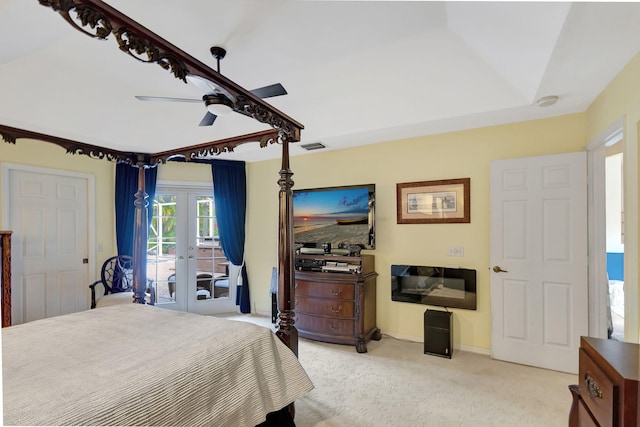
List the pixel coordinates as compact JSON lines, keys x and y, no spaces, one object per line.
{"x":161,"y":250}
{"x":212,"y":268}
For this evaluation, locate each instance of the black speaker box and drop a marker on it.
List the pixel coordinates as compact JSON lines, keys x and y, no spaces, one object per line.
{"x":437,"y":333}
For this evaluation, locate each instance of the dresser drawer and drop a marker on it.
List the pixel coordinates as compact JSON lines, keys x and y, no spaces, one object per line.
{"x":325,"y":307}
{"x":325,"y":325}
{"x":584,"y":417}
{"x":597,"y":391}
{"x":325,"y":290}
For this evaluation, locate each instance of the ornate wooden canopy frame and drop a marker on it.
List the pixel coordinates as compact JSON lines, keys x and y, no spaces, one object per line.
{"x":99,"y":20}
{"x":265,"y":137}
{"x":146,"y":46}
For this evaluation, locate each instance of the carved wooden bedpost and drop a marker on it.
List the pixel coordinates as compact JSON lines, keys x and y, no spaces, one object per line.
{"x":140,"y":235}
{"x":287,"y":331}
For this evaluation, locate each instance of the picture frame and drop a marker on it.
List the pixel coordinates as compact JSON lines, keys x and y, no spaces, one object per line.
{"x":434,"y":202}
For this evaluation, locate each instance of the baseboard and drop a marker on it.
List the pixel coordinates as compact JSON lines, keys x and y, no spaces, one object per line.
{"x":403,"y":337}
{"x":473,"y":349}
{"x":411,"y":338}
{"x":262,"y":313}
{"x":463,"y":347}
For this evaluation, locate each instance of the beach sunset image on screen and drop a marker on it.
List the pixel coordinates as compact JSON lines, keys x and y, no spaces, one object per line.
{"x":336,"y":215}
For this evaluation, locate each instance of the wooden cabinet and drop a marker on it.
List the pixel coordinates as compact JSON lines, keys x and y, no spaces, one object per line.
{"x":5,"y":277}
{"x":609,"y":382}
{"x":336,"y":300}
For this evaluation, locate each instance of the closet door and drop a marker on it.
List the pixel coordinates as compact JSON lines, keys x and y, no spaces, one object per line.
{"x":49,"y":213}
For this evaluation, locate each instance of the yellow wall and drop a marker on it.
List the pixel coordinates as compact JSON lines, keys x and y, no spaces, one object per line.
{"x":186,"y":172}
{"x":621,"y":101}
{"x":45,"y":155}
{"x":452,"y":155}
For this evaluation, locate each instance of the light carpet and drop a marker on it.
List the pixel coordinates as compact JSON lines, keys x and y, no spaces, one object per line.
{"x":396,"y":384}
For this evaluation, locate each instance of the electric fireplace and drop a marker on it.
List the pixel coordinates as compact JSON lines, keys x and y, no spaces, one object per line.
{"x":438,"y":286}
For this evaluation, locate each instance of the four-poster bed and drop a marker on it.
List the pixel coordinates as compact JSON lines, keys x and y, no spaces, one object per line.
{"x":209,"y":371}
{"x":139,"y":42}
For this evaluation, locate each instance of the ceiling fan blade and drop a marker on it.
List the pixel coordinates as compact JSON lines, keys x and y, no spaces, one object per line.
{"x":204,"y":86}
{"x":163,"y":99}
{"x":208,"y":119}
{"x":268,"y":91}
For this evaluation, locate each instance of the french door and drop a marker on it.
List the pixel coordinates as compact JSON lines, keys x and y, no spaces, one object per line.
{"x":184,"y":258}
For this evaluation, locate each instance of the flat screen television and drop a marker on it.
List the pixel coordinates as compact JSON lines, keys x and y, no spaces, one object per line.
{"x":335,"y":218}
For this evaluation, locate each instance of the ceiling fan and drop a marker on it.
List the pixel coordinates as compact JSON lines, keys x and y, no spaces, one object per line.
{"x":215,"y":98}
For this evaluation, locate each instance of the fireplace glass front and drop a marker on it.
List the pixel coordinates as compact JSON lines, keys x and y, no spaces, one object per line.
{"x":438,"y":286}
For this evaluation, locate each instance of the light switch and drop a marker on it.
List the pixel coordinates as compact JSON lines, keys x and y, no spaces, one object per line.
{"x":456,"y":250}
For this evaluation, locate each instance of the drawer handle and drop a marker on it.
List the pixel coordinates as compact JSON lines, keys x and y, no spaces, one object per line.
{"x":594,"y":388}
{"x":336,"y":310}
{"x":333,"y":327}
{"x":338,"y":292}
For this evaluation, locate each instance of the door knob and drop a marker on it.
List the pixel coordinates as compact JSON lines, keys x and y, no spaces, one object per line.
{"x":497,"y":269}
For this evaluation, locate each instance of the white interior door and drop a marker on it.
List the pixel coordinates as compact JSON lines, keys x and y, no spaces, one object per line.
{"x":49,"y":215}
{"x":185,"y":259}
{"x":539,"y":284}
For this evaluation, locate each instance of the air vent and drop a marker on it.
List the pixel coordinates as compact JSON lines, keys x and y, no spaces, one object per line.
{"x":313,"y":146}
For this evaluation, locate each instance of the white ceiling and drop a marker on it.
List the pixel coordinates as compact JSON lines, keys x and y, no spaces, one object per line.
{"x":356,"y":72}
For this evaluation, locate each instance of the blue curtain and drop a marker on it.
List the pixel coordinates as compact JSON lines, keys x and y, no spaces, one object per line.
{"x":230,"y":196}
{"x":126,"y":188}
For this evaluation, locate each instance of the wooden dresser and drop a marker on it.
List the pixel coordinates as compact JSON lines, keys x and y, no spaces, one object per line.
{"x":609,"y":383}
{"x":337,"y":306}
{"x":5,"y":277}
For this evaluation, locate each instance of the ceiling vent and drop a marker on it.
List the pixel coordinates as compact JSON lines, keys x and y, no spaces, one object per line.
{"x":313,"y":146}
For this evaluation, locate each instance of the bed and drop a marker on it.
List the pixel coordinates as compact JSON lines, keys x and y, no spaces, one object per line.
{"x":123,"y":374}
{"x":109,"y":367}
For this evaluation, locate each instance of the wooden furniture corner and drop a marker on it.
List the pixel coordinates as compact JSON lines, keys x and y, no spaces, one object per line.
{"x":608,"y":387}
{"x":5,"y":278}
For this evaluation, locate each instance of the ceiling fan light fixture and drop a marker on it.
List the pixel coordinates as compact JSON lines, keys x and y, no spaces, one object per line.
{"x":217,"y":103}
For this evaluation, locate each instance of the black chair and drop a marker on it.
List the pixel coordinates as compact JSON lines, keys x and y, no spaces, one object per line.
{"x":116,"y":278}
{"x":221,"y":287}
{"x":204,"y":281}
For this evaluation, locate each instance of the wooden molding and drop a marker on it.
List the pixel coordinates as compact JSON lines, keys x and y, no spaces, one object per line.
{"x":146,"y":46}
{"x":11,"y":134}
{"x":226,"y":145}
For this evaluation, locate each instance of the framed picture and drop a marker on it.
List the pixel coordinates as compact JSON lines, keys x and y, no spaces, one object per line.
{"x":433,"y":202}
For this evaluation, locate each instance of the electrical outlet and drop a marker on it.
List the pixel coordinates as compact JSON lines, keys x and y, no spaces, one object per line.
{"x":456,"y":251}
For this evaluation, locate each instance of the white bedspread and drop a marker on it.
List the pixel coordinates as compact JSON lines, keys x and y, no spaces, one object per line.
{"x":133,"y":364}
